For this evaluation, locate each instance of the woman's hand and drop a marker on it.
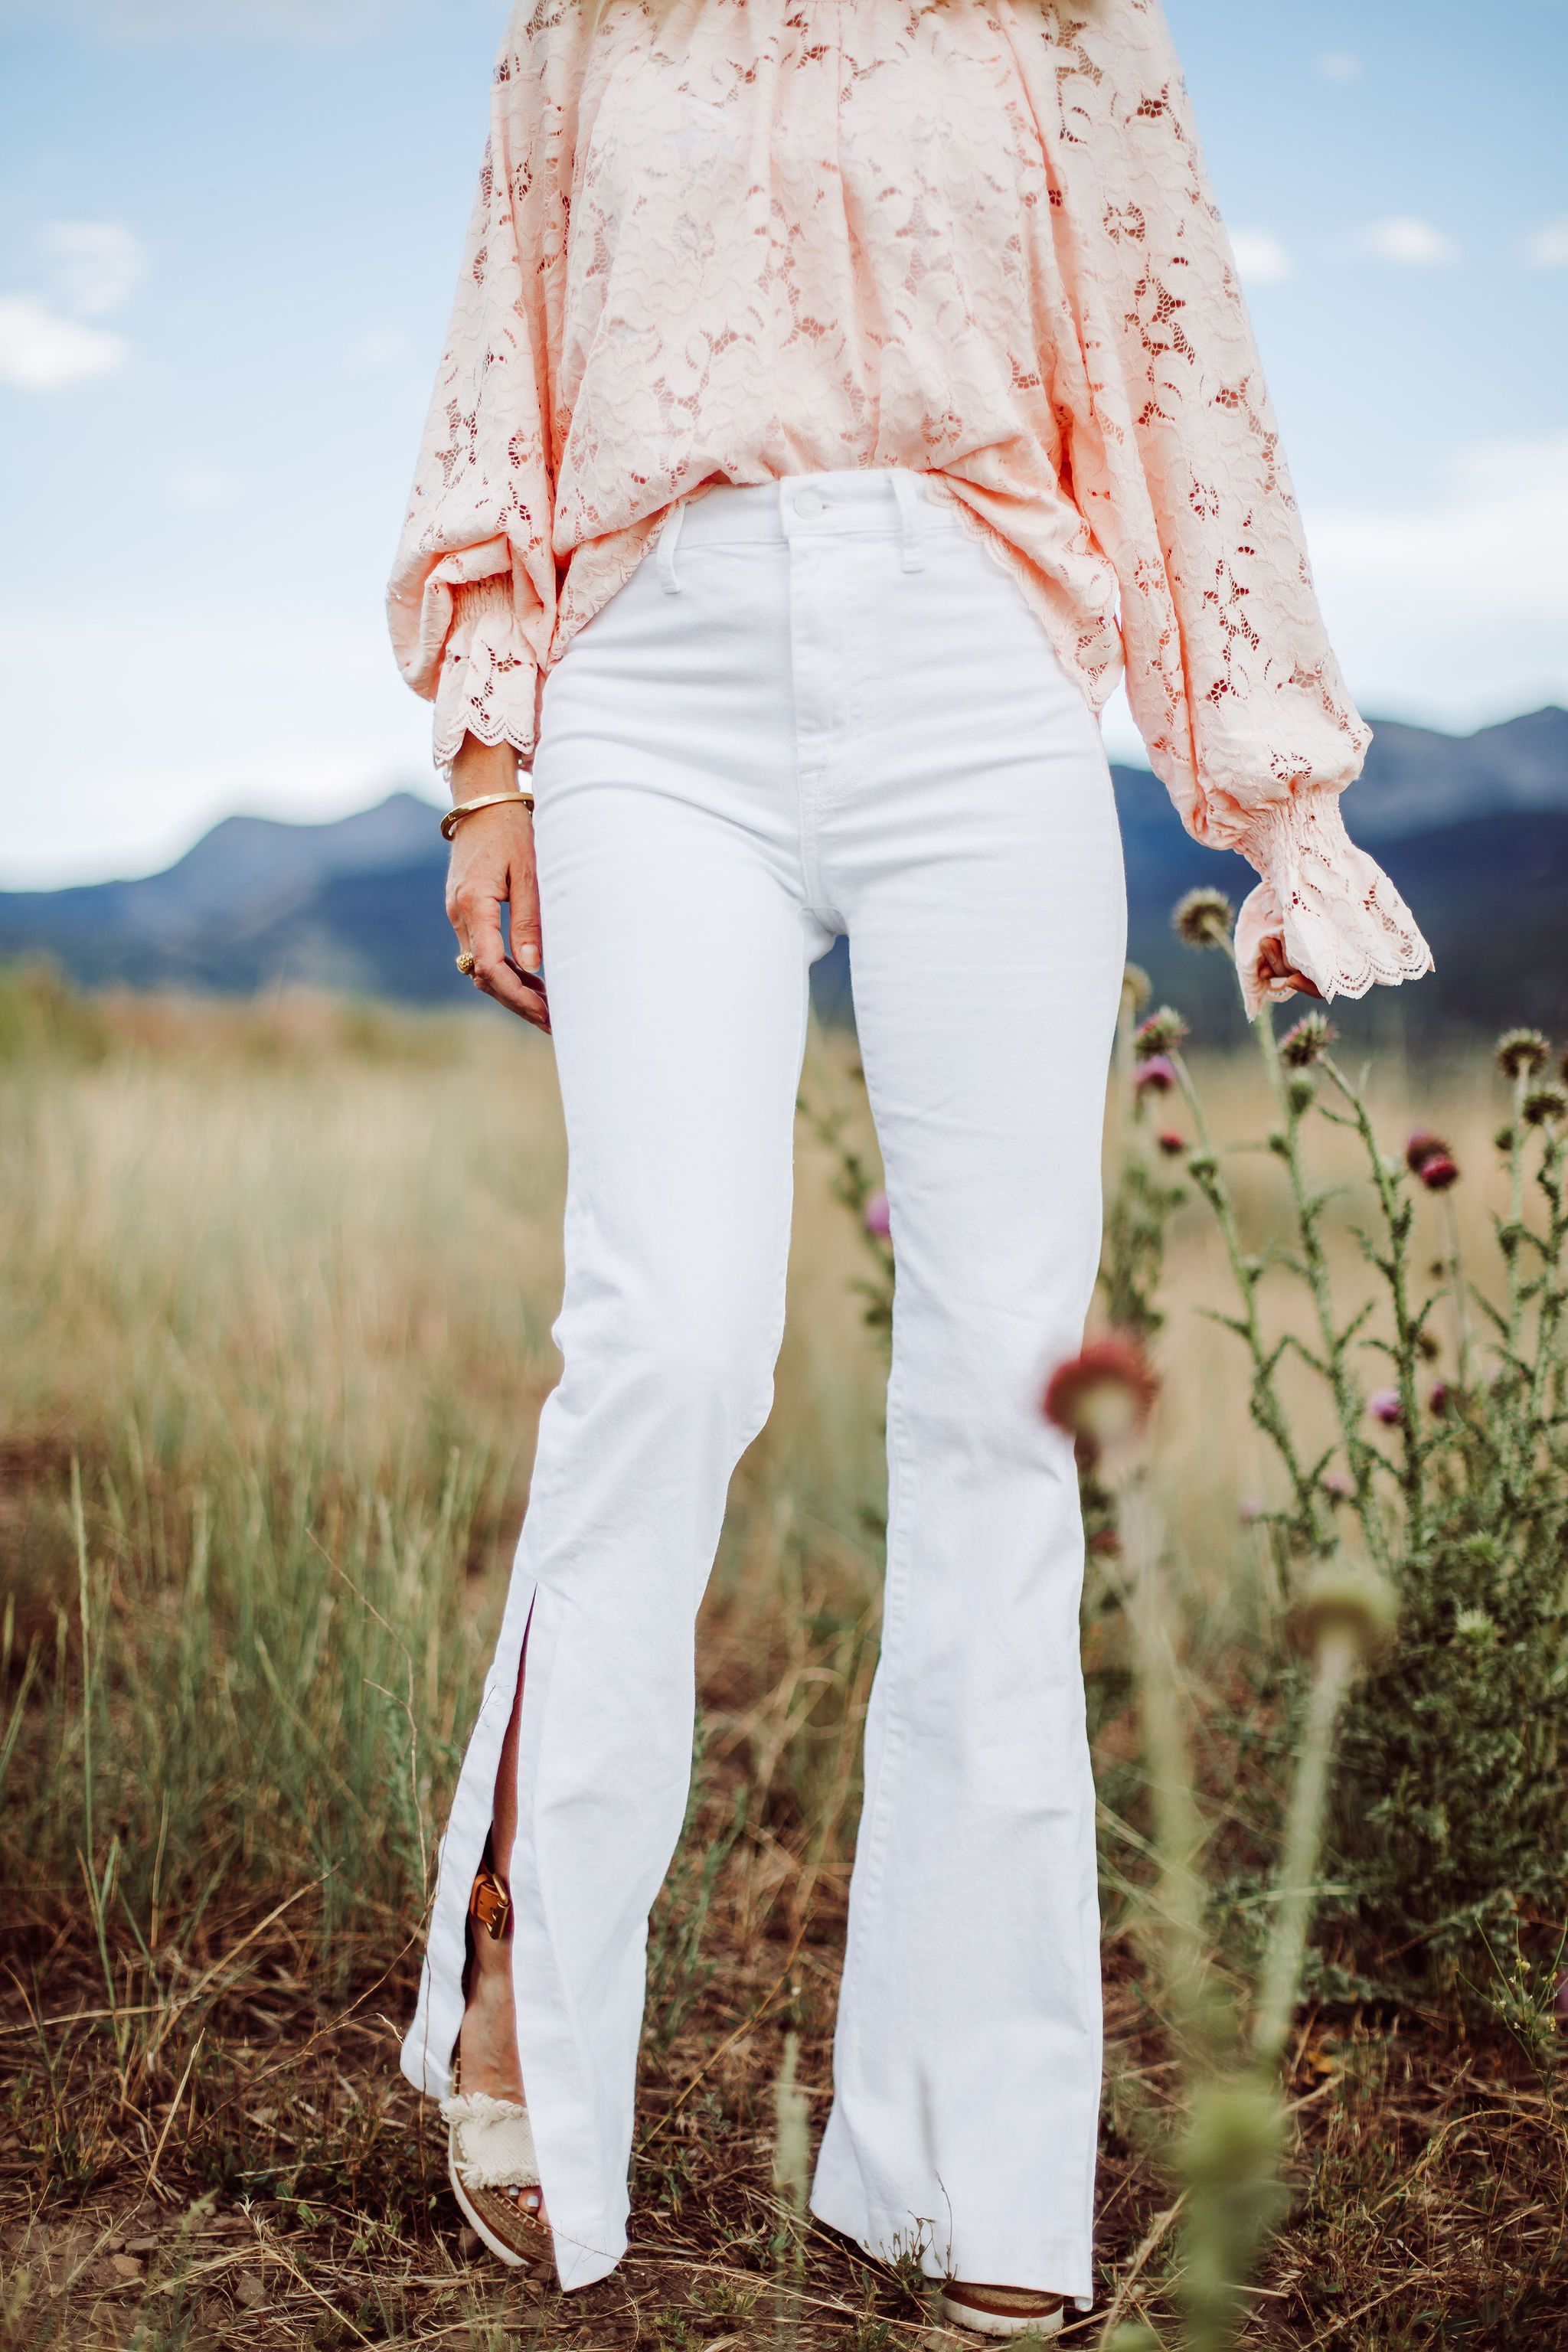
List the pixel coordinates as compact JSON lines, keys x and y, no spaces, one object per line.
{"x":1272,"y":966}
{"x":492,"y":866}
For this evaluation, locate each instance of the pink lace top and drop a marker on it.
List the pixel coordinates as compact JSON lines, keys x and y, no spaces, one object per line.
{"x":728,"y":240}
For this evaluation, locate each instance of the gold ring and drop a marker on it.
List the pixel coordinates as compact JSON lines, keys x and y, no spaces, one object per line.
{"x":466,"y":962}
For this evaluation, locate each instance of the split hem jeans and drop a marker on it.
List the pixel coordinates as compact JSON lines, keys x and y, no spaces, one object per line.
{"x":819,"y":705}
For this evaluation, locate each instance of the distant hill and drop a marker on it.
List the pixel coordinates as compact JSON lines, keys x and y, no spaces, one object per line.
{"x":1474,"y":829}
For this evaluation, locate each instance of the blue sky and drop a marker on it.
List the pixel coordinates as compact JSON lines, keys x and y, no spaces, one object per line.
{"x":228,"y":230}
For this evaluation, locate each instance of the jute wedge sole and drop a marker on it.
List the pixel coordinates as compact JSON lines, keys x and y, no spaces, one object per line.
{"x":1000,"y":2310}
{"x":489,"y":2151}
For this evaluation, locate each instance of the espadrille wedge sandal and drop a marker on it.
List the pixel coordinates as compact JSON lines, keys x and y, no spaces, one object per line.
{"x":491,"y":2165}
{"x":1001,"y":2310}
{"x":490,"y":2161}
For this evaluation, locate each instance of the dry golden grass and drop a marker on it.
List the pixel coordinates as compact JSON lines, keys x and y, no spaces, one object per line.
{"x":279,"y":1280}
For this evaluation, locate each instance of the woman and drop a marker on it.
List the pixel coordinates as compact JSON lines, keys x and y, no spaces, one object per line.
{"x":834,"y":392}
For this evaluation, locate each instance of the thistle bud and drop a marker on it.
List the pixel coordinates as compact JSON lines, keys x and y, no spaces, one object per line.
{"x":1342,"y":1597}
{"x":1543,"y":1106}
{"x":1156,"y":1072}
{"x":878,"y":1221}
{"x":1439,"y":1172}
{"x":1521,"y":1053}
{"x":1136,"y":985}
{"x":1161,"y":1034}
{"x":1103,"y":1394}
{"x":1423,"y":1144}
{"x":1308,"y":1041}
{"x":1205,"y":918}
{"x":1383,"y":1405}
{"x":1172,"y":1144}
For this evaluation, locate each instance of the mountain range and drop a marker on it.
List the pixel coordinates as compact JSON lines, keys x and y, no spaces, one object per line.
{"x":1473,"y":829}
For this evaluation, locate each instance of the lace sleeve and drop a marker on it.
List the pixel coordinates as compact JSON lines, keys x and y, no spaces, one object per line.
{"x":1343,"y":922}
{"x":1177,"y":467}
{"x":471,"y":603}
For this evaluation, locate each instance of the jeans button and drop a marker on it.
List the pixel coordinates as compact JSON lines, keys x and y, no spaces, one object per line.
{"x":809,"y":502}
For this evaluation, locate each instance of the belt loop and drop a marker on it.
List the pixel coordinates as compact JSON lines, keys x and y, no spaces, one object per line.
{"x":668,"y":540}
{"x":907,"y":491}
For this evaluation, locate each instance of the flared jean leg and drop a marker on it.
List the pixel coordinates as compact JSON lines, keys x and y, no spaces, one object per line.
{"x":987,"y":960}
{"x":677,"y":969}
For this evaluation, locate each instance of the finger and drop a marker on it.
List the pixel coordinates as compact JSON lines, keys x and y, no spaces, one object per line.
{"x":493,"y":970}
{"x":1273,"y":964}
{"x":530,"y":1004}
{"x":522,"y":890}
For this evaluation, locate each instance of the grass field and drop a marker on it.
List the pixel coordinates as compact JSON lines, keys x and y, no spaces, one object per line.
{"x":275,"y":1284}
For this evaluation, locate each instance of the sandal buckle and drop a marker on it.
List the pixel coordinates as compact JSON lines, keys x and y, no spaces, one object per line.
{"x":490,"y":1904}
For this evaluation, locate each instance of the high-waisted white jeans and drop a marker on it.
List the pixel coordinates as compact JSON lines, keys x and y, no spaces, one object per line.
{"x":818,"y":707}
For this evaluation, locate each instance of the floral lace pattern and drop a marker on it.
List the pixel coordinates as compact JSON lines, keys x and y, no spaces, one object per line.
{"x":1343,"y":922}
{"x":739,"y":239}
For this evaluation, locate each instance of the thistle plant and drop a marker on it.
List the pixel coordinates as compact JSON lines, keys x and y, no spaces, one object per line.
{"x":1226,"y":2154}
{"x":1449,"y":1815}
{"x":792,"y":2187}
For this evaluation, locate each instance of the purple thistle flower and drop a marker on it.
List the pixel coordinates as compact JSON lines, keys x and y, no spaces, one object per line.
{"x":879,"y":1223}
{"x":1161,"y":1033}
{"x":1158,"y":1072}
{"x":1383,"y":1405}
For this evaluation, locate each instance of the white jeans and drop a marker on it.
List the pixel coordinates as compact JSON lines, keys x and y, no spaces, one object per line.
{"x":818,"y":707}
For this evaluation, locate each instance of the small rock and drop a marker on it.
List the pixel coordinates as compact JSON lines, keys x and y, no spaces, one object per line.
{"x":141,"y":2245}
{"x":249,"y":2290}
{"x":125,"y":2266}
{"x":467,"y":2242}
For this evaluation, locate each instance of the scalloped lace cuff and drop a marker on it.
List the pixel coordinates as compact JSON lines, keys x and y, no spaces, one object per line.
{"x":489,"y":678}
{"x":1343,"y":923}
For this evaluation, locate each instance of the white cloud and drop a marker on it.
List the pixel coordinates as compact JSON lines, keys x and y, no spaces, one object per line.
{"x":98,"y":265}
{"x":1548,"y":248}
{"x":41,"y":351}
{"x":1261,"y":258}
{"x":1337,"y":65}
{"x":1456,"y":612}
{"x":1406,"y":239}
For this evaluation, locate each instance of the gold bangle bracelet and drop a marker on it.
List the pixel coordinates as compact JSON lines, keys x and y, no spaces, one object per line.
{"x":455,"y":816}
